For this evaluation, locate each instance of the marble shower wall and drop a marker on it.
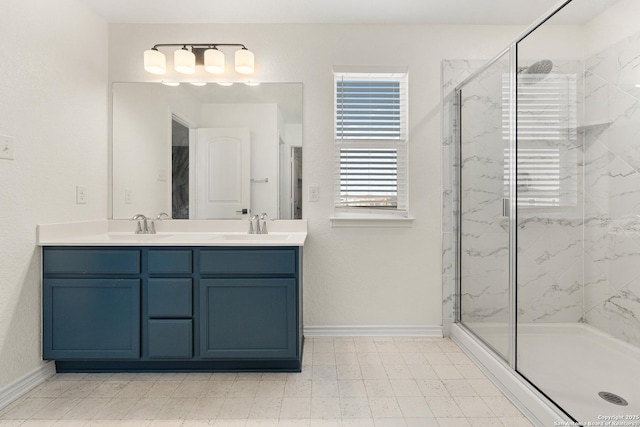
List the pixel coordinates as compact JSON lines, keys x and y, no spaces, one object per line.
{"x":612,"y":190}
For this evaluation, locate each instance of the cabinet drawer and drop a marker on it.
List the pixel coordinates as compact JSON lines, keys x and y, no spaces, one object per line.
{"x":248,"y":261}
{"x":170,"y":262}
{"x":91,"y":261}
{"x":169,"y":298}
{"x":170,"y":339}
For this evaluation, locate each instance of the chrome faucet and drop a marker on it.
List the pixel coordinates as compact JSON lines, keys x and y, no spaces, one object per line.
{"x":161,"y":215}
{"x":263,"y":228}
{"x":143,"y":225}
{"x":257,"y":229}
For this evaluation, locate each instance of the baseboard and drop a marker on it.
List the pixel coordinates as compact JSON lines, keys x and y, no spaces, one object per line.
{"x":373,"y":331}
{"x":537,"y":408}
{"x":22,"y":385}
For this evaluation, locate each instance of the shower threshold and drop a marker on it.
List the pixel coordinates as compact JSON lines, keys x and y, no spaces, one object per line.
{"x":572,"y":363}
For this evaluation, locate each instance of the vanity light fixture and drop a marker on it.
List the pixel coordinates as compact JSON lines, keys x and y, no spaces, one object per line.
{"x":250,"y":83}
{"x":171,"y":83}
{"x":207,"y":54}
{"x":198,"y":83}
{"x":225,"y":83}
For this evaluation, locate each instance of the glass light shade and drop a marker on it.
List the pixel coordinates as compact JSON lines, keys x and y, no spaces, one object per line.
{"x":154,"y":62}
{"x":244,"y":61}
{"x":171,"y":83}
{"x":214,"y":61}
{"x":184,"y":61}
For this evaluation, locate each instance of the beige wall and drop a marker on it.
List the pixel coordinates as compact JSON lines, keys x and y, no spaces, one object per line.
{"x":53,"y":101}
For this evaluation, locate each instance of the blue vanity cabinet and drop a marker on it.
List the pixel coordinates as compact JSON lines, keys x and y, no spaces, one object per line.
{"x":91,"y":304}
{"x":158,"y":308}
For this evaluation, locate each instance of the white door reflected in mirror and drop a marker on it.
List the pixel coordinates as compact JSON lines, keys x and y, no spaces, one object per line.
{"x":223,"y":173}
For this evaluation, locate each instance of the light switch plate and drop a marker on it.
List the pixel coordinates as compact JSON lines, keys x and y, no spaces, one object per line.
{"x":162,"y":174}
{"x":6,"y":147}
{"x":314,"y":193}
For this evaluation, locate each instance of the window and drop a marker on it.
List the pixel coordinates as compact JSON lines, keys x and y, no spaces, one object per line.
{"x":371,"y":143}
{"x":547,"y":138}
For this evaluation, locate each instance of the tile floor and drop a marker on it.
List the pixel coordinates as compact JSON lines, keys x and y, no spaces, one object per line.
{"x":363,"y":382}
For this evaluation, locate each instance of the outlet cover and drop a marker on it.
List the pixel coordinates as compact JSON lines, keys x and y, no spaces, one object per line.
{"x":81,"y":194}
{"x":128,"y":197}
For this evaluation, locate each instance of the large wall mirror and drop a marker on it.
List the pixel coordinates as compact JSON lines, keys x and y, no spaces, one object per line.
{"x":207,"y":152}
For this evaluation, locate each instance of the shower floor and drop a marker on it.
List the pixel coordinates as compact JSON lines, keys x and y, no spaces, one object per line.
{"x":572,"y":363}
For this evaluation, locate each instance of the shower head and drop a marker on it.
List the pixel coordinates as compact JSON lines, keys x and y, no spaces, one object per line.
{"x":535,"y":72}
{"x":541,"y":67}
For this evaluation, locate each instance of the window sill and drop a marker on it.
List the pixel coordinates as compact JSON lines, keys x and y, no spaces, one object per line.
{"x":370,"y":222}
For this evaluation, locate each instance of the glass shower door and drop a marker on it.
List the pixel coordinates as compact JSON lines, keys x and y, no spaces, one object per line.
{"x":484,"y":225}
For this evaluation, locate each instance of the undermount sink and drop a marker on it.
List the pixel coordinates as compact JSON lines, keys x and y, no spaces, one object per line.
{"x":250,"y":237}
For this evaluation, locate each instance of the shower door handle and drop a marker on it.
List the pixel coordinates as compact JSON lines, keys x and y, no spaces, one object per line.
{"x":505,"y":207}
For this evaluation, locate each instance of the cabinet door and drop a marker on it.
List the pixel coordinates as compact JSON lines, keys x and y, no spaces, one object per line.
{"x":248,"y":318}
{"x":91,"y":319}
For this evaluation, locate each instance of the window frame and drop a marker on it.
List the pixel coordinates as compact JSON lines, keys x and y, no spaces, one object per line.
{"x":400,"y":144}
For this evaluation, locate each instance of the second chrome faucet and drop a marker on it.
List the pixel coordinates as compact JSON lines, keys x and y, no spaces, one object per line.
{"x":260,"y":224}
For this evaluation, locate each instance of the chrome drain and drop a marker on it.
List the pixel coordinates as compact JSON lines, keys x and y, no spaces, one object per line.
{"x":613,"y":398}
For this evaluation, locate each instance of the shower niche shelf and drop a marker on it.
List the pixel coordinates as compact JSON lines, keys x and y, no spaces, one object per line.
{"x":593,"y":127}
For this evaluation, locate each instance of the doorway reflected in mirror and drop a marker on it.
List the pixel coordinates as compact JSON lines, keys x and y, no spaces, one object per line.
{"x":179,"y":170}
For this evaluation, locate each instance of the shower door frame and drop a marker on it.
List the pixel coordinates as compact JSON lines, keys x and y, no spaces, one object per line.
{"x":511,"y":363}
{"x":512,"y":50}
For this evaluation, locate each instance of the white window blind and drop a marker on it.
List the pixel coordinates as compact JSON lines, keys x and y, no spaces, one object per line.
{"x":370,"y":138}
{"x":547,"y":135}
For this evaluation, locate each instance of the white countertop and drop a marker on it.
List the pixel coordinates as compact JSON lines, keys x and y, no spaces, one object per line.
{"x":172,"y":233}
